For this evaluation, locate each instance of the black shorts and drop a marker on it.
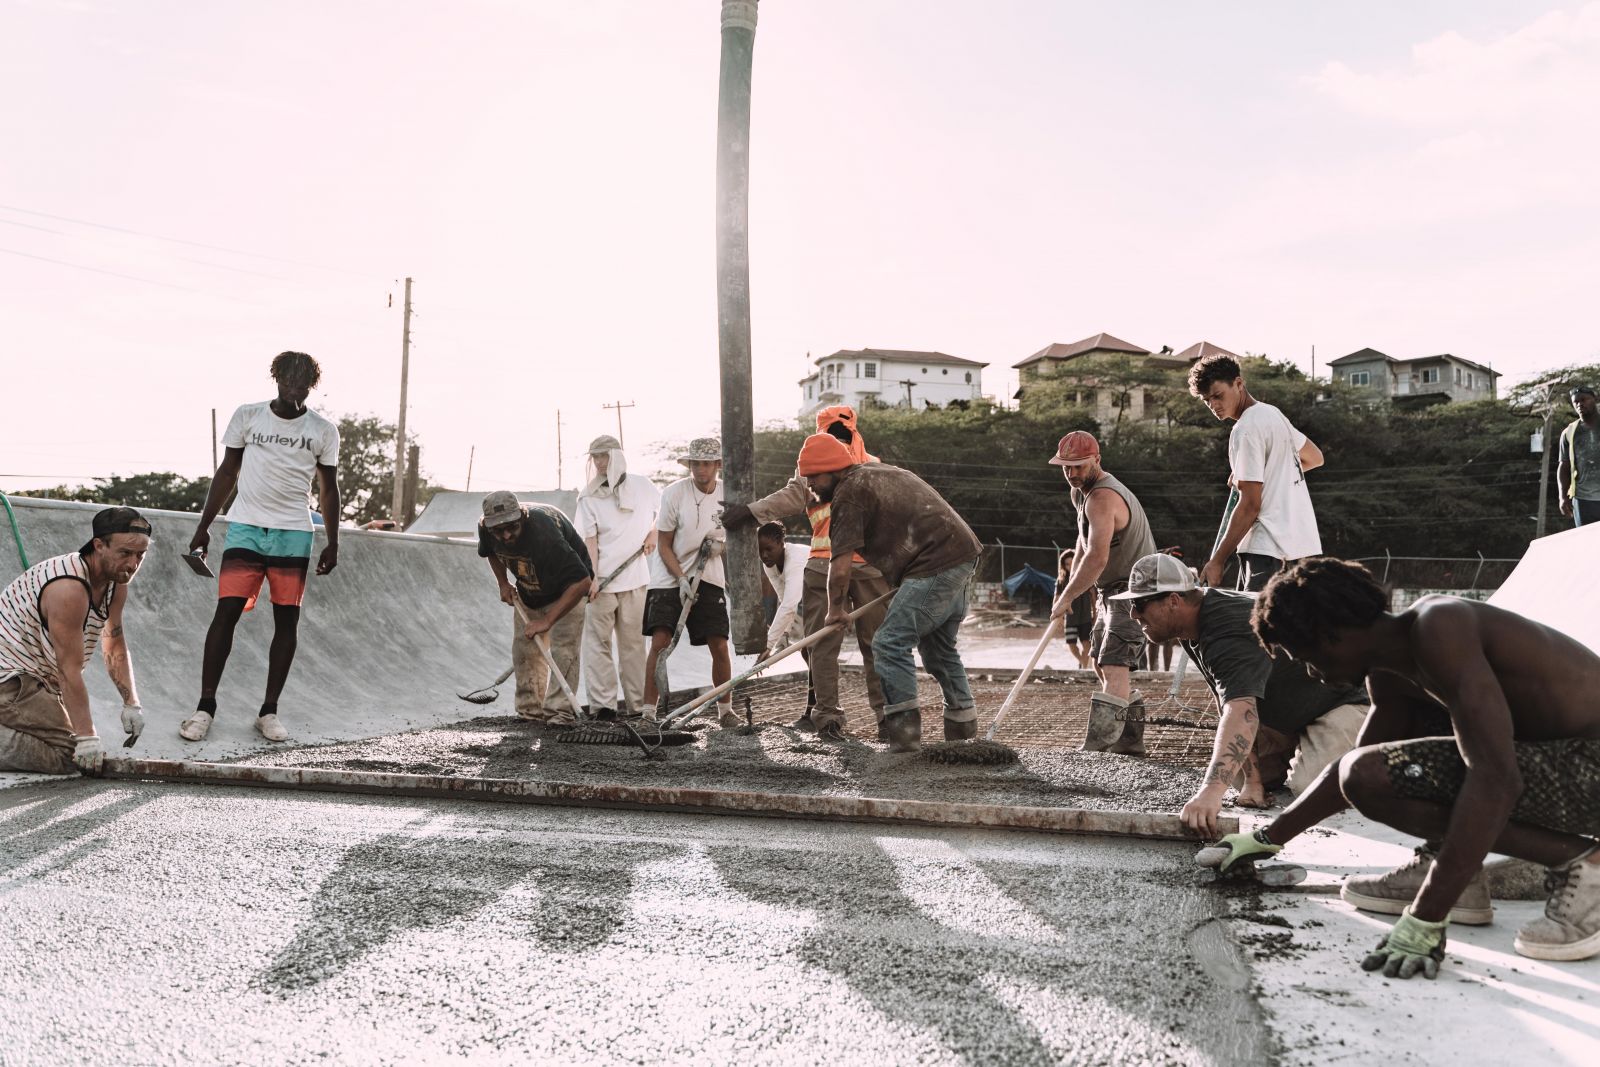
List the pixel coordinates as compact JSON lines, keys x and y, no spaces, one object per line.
{"x":1560,"y":779}
{"x":707,"y":619}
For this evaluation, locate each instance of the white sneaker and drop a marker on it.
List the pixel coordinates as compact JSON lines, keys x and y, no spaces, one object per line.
{"x":195,"y":727}
{"x":270,"y":728}
{"x":1570,"y":928}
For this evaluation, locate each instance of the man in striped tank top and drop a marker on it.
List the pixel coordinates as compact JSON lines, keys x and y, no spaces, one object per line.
{"x":52,"y":617}
{"x":1113,"y":535}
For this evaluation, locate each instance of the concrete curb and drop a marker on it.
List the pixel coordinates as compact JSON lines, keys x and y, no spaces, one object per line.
{"x":653,"y":798}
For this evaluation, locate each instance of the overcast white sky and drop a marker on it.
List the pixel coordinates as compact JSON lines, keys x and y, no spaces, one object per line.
{"x":981,"y":179}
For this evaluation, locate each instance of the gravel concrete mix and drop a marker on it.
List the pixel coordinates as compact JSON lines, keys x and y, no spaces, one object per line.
{"x":772,"y":759}
{"x":159,"y":924}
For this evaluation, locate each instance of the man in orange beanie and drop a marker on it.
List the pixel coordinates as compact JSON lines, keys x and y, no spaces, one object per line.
{"x":866,"y":582}
{"x":903,"y":527}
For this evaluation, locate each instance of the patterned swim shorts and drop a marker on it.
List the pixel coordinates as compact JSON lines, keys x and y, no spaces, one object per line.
{"x":1560,"y":779}
{"x":253,"y":553}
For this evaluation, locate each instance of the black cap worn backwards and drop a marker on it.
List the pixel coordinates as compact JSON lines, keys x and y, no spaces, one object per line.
{"x":1580,"y":390}
{"x":115,"y":521}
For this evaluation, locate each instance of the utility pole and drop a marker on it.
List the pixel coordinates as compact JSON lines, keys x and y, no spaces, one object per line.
{"x":400,"y":426}
{"x":471,"y":455}
{"x":742,"y":567}
{"x":408,"y":511}
{"x":558,"y":448}
{"x":213,"y":440}
{"x":619,"y":405}
{"x":1544,"y":457}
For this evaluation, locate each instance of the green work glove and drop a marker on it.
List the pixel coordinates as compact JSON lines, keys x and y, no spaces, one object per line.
{"x":1413,"y":945}
{"x":1235,"y":847}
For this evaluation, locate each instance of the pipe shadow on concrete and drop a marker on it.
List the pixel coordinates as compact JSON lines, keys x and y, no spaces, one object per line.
{"x":38,"y":828}
{"x":403,"y":881}
{"x":1121,"y":956}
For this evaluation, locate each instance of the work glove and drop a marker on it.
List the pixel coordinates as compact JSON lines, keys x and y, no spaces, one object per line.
{"x":1413,"y":945}
{"x":685,"y":587}
{"x":1233,"y":848}
{"x":132,"y":721}
{"x":87,"y":754}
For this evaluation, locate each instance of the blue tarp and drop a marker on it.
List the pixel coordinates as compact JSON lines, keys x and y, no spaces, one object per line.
{"x":1030,"y":581}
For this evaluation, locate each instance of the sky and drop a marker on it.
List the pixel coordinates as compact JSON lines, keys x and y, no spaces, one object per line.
{"x":189,"y":189}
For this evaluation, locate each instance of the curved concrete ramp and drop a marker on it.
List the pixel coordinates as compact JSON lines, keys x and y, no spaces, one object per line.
{"x":386,"y":641}
{"x":1556,"y":583}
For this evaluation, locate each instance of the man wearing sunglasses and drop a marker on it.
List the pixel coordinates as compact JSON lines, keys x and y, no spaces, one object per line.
{"x":1252,"y":689}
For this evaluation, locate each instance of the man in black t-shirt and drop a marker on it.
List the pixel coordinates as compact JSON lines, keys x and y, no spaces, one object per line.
{"x":538,"y":547}
{"x":1252,"y":688}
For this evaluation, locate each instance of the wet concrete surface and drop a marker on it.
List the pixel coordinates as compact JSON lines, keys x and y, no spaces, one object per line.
{"x":182,"y":924}
{"x":773,"y":759}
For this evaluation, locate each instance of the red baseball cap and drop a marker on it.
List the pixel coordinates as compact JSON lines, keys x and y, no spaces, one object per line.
{"x":1077,"y":447}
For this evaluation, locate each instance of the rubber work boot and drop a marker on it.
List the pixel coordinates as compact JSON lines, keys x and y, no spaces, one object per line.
{"x":1389,"y":893}
{"x":1570,"y":929}
{"x":1131,"y":740}
{"x":1104,"y":725}
{"x":831,"y":732}
{"x":605,"y":714}
{"x":883,"y":731}
{"x":805,"y":723}
{"x":960,"y":731}
{"x":905,"y":730}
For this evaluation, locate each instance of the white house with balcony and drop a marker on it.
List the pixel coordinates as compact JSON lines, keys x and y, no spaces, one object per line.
{"x":1427,"y":379}
{"x":889,"y":377}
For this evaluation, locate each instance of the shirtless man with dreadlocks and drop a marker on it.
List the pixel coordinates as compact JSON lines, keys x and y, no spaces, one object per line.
{"x":1484,"y":736}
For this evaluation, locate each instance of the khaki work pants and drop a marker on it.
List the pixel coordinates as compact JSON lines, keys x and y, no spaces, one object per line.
{"x":539,"y":697}
{"x":34,"y":735}
{"x":623,"y":614}
{"x":866,"y":584}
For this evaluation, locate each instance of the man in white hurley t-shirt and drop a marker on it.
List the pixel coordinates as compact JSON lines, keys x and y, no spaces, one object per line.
{"x":691,"y":513}
{"x":1271,"y":522}
{"x":273,"y":450}
{"x":617,"y":520}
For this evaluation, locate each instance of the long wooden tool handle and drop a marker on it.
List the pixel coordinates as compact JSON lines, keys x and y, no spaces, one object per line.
{"x":788,"y":650}
{"x":550,"y":661}
{"x":624,"y":565}
{"x":1027,"y":672}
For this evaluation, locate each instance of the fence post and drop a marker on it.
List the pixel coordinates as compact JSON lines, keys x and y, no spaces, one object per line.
{"x":1478,"y":573}
{"x":1385,"y":579}
{"x":1002,"y":545}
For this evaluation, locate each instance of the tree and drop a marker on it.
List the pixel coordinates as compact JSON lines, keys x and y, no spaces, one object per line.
{"x":164,"y":491}
{"x":366,"y":469}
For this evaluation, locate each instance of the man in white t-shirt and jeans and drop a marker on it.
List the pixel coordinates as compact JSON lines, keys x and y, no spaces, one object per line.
{"x":691,"y":512}
{"x":616,"y":519}
{"x":273,"y":450}
{"x":1272,"y":524}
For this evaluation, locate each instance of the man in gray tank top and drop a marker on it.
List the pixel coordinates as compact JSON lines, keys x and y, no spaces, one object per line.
{"x":1113,"y":534}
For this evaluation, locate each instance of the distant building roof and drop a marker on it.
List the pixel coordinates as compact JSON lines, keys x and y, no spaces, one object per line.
{"x":1364,"y":355}
{"x":456,"y":514}
{"x":1100,"y":342}
{"x":1454,"y":359}
{"x":903,"y":355}
{"x":1203,"y":349}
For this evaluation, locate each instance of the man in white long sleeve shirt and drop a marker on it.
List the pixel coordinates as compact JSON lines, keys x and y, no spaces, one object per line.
{"x":785,"y":565}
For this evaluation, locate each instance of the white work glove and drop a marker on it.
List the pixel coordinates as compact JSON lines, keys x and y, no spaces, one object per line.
{"x":132,"y":721}
{"x":685,"y":587}
{"x":87,"y":754}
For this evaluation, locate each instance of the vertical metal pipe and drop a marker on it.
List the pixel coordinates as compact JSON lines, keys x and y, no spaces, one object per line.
{"x":1544,"y":461}
{"x":733,"y":314}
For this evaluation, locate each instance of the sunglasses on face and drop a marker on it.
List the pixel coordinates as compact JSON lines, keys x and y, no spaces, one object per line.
{"x":1138,"y":604}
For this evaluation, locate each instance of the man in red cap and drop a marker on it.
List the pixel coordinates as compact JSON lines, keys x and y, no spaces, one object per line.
{"x":903,"y":527}
{"x":866,"y":581}
{"x":1113,"y":535}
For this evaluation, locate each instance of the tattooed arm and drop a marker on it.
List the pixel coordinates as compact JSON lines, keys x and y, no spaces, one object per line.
{"x":1230,"y":759}
{"x":114,"y":646}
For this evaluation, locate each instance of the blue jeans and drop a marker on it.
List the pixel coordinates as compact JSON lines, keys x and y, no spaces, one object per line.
{"x":925,"y":615}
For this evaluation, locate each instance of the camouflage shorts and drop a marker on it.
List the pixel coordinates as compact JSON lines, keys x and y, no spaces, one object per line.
{"x":1560,"y":779}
